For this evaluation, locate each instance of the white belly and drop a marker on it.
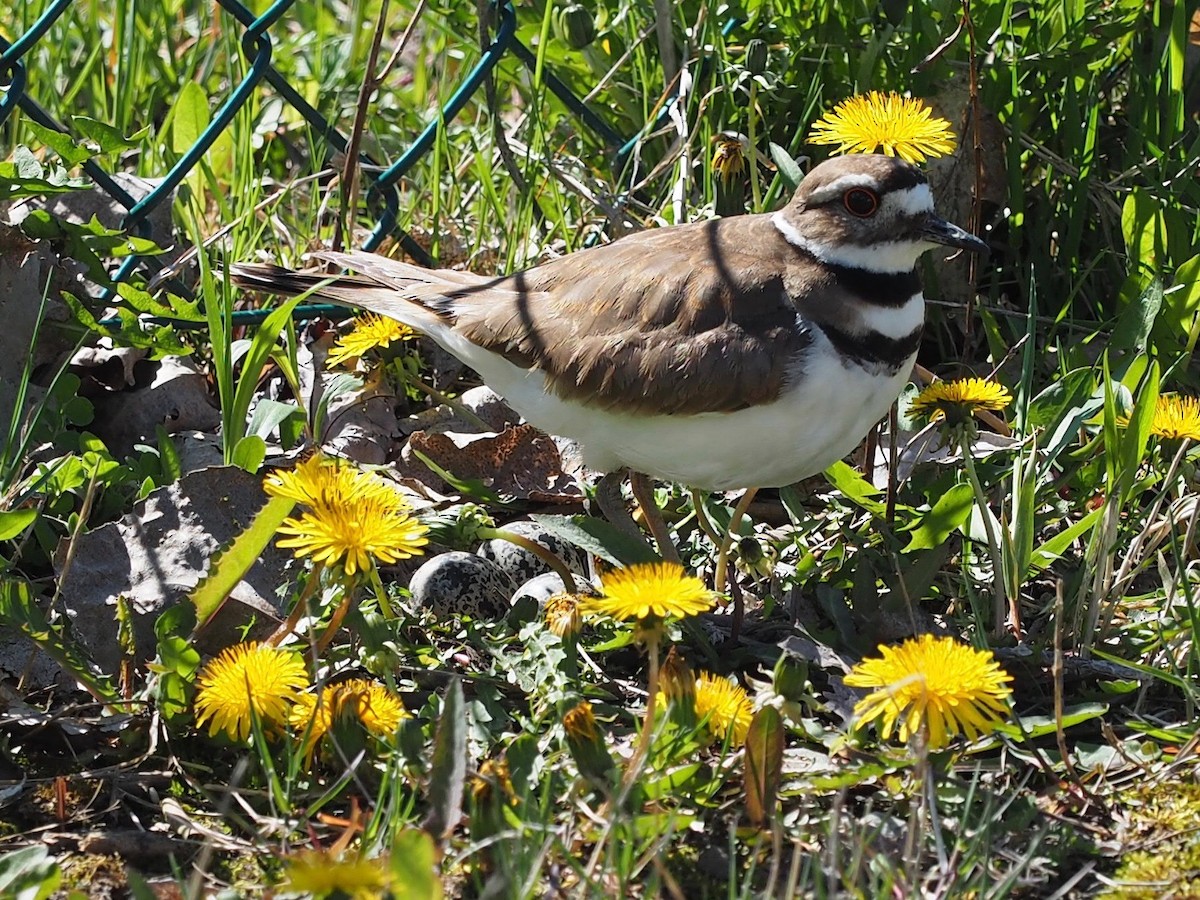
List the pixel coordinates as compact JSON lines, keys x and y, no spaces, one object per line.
{"x":812,"y":425}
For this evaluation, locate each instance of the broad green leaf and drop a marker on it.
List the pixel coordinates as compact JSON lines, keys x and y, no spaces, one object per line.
{"x":104,"y":136}
{"x":14,"y":521}
{"x":255,"y":360}
{"x":189,"y":117}
{"x":227,"y":566}
{"x":855,"y":488}
{"x":29,"y":874}
{"x":1132,"y":330}
{"x":168,"y":456}
{"x":249,"y":453}
{"x":62,"y":144}
{"x":1040,"y":726}
{"x":270,"y":414}
{"x":1134,"y":437}
{"x":1144,"y":228}
{"x":947,"y":514}
{"x":1055,"y":547}
{"x":20,"y":612}
{"x":788,"y":170}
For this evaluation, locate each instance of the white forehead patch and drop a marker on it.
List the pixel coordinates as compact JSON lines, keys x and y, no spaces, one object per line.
{"x":911,"y":201}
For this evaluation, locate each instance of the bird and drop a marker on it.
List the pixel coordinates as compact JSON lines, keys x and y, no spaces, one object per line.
{"x":733,"y":353}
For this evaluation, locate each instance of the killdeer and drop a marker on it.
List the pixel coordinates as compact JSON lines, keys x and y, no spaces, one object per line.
{"x":743,"y":352}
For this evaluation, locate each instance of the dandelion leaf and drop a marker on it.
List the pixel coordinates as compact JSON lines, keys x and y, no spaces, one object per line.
{"x":448,"y":772}
{"x":764,"y":765}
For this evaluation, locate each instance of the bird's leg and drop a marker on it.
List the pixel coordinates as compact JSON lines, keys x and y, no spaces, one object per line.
{"x":612,"y":504}
{"x":643,"y":492}
{"x":739,"y":512}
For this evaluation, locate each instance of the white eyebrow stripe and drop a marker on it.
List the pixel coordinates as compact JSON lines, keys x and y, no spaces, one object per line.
{"x":894,"y":321}
{"x":911,"y":201}
{"x":889,"y":258}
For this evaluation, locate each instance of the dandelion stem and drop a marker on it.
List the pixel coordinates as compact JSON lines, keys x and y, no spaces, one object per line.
{"x":385,"y":605}
{"x":339,"y":614}
{"x":557,"y":565}
{"x":643,"y":746}
{"x":299,"y":609}
{"x":755,"y":190}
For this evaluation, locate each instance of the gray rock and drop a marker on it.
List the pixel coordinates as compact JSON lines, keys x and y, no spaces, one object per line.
{"x":155,"y":555}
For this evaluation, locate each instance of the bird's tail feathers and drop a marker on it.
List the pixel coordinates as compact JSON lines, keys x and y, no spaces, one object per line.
{"x":418,"y":310}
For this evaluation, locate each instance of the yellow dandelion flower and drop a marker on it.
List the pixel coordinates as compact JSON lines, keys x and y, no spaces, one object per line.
{"x":326,"y":480}
{"x":311,"y":716}
{"x":935,"y":686}
{"x":957,"y":400}
{"x":646,"y":590}
{"x":562,"y":616}
{"x":1175,"y":417}
{"x":379,"y":710}
{"x":247,"y":680}
{"x":356,"y":533}
{"x":369,"y":332}
{"x":729,"y":155}
{"x":894,"y":125}
{"x":725,"y":706}
{"x":325,"y":873}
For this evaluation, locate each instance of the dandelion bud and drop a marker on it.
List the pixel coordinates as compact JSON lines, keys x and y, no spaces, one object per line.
{"x":757,"y":53}
{"x":562,"y":615}
{"x":676,"y":679}
{"x":587,"y":744}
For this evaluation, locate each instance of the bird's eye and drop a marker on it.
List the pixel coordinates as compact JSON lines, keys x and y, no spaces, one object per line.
{"x":861,"y":202}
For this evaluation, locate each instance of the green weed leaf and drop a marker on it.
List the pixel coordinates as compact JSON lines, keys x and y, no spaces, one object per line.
{"x":598,"y":538}
{"x":14,"y":521}
{"x":448,"y":770}
{"x":948,"y":513}
{"x":764,"y":765}
{"x":29,"y":874}
{"x":228,"y":566}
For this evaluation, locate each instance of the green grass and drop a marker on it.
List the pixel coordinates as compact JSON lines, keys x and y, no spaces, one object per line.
{"x":1088,"y":308}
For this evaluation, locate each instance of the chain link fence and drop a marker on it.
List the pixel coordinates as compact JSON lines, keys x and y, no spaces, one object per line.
{"x":19,"y":90}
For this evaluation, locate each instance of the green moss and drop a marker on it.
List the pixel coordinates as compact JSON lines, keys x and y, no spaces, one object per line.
{"x":1163,"y":821}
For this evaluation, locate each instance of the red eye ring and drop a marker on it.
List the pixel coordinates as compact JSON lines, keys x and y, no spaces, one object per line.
{"x":861,"y":202}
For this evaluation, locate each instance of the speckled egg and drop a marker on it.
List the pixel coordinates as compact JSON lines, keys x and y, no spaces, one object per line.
{"x":462,"y":583}
{"x":519,"y":564}
{"x":541,"y":588}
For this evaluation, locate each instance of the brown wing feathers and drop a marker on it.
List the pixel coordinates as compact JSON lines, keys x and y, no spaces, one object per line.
{"x":655,"y":322}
